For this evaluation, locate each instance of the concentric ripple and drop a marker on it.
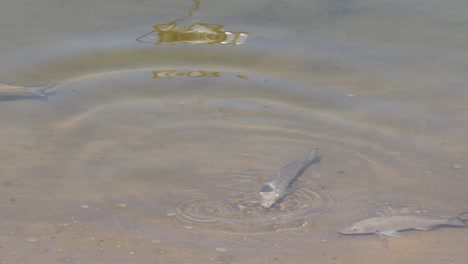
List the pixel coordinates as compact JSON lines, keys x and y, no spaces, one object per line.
{"x":196,"y":152}
{"x":242,"y":213}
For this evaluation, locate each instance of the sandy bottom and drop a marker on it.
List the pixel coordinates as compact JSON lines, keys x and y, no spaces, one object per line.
{"x":155,"y":154}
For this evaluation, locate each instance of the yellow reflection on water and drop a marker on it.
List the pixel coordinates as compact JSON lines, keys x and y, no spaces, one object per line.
{"x":169,"y":74}
{"x":196,"y":33}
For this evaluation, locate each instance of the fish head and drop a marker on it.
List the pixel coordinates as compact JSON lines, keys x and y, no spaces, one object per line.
{"x":268,"y":196}
{"x":358,"y":229}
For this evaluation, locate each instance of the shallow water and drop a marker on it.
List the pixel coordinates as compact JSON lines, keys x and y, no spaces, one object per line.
{"x":154,"y":153}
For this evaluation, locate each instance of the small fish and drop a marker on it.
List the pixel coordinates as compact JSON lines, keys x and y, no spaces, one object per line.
{"x":276,"y":188}
{"x":8,"y":90}
{"x":390,"y":225}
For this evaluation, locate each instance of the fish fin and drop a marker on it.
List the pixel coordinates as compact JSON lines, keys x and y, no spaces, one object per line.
{"x":38,"y":90}
{"x":425,"y":228}
{"x":380,"y":235}
{"x":382,"y":239}
{"x":313,"y":155}
{"x":463,"y":219}
{"x":392,"y":233}
{"x":371,"y":211}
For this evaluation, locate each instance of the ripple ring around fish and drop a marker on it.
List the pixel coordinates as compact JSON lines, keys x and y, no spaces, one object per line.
{"x":243,"y":213}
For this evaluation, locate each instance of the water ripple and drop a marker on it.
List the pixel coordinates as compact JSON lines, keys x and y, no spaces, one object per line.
{"x":242,"y":213}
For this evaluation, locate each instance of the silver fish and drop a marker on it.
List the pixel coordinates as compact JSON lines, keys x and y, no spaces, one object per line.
{"x":276,"y":188}
{"x":390,"y":225}
{"x":8,"y":90}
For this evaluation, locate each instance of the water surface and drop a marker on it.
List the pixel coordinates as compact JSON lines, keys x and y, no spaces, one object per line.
{"x":154,"y":153}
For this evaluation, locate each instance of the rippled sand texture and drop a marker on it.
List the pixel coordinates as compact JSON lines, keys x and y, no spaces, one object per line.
{"x":155,"y":153}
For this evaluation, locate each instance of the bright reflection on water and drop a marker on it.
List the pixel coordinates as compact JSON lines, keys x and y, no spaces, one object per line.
{"x":155,"y":153}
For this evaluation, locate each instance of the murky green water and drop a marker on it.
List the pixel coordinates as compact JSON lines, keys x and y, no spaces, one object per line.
{"x":153,"y":153}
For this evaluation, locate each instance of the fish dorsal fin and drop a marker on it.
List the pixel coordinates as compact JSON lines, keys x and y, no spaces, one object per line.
{"x":371,"y":211}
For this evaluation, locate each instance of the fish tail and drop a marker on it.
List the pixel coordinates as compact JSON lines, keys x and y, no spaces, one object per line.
{"x":460,"y":216}
{"x":313,"y":155}
{"x":38,"y":90}
{"x":456,"y":221}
